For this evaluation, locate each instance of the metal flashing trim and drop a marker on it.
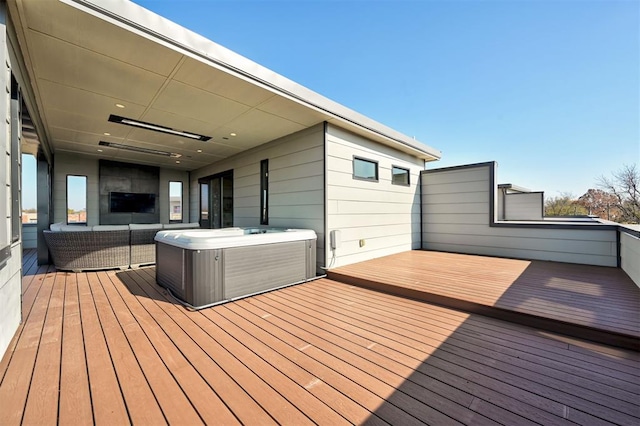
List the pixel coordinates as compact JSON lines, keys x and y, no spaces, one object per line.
{"x":464,"y":166}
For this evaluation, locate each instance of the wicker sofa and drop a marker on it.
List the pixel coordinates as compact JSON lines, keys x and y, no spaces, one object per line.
{"x":86,"y":248}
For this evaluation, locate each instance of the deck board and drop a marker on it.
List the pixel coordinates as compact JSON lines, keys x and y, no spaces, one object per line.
{"x":323,"y":352}
{"x":588,"y":301}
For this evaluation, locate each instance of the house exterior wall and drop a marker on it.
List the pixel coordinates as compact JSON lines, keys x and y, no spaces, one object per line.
{"x":523,"y":206}
{"x":456,"y":217}
{"x":11,"y":257}
{"x":385,"y":217}
{"x":79,"y":165}
{"x":629,"y":255}
{"x":296,"y":184}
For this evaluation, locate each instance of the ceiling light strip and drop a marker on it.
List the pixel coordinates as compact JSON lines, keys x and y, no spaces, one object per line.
{"x":156,"y":127}
{"x":140,"y":149}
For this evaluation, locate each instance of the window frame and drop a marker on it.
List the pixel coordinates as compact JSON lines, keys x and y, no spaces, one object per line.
{"x":264,"y":192}
{"x":408,"y":176}
{"x":86,"y":199}
{"x":181,"y":220}
{"x":367,"y":160}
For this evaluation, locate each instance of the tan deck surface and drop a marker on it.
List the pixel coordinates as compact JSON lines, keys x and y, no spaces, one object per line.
{"x":110,"y":348}
{"x":591,"y":296}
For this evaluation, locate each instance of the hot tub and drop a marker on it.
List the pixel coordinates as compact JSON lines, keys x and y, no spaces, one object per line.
{"x":203,"y":267}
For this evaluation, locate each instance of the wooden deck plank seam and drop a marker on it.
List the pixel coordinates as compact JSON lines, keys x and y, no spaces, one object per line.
{"x":473,"y":341}
{"x":169,"y":337}
{"x":486,"y":322}
{"x":208,"y":333}
{"x":506,"y":380}
{"x":260,"y":324}
{"x":101,"y":279}
{"x":463,"y":385}
{"x":452,"y":345}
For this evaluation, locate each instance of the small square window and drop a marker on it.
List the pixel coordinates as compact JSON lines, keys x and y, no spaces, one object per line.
{"x":365,"y":169}
{"x":399,"y":176}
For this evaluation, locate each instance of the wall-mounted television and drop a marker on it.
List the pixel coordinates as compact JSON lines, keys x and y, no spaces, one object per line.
{"x":132,"y":202}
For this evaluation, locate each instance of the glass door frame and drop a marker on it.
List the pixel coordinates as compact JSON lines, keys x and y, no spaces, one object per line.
{"x":219,"y":211}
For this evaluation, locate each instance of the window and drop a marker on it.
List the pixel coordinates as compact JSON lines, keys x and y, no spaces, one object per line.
{"x":264,"y":192}
{"x":175,"y":201}
{"x":16,"y":163}
{"x":76,"y":199}
{"x":399,"y":176}
{"x":29,"y":203}
{"x":365,"y":169}
{"x":204,"y":203}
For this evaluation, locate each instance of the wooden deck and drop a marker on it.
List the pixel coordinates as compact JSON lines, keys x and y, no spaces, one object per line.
{"x":110,"y":348}
{"x":597,"y":303}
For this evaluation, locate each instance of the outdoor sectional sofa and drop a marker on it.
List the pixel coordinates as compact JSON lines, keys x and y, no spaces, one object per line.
{"x":87,"y":248}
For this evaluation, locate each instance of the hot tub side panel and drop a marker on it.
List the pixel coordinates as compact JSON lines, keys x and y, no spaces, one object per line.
{"x":194,"y":276}
{"x":254,"y":269}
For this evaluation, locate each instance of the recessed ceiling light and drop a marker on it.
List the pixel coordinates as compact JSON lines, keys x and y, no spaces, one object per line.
{"x":156,"y":127}
{"x":120,"y":105}
{"x":177,"y":161}
{"x":232,"y":134}
{"x":99,"y":150}
{"x":107,"y":134}
{"x":199,"y":150}
{"x":140,"y":149}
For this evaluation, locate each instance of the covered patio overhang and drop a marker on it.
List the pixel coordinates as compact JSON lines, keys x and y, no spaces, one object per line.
{"x":84,"y":62}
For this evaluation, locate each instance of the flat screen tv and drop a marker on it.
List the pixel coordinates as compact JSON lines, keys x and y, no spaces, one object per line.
{"x":131,"y":202}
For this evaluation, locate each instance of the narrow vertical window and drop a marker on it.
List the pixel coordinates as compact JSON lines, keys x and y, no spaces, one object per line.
{"x":29,"y":188}
{"x":264,"y":192}
{"x":76,"y":199}
{"x":204,"y":203}
{"x":175,"y":201}
{"x":16,"y":164}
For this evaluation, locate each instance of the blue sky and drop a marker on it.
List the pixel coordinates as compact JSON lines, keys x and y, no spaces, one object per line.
{"x":548,"y":89}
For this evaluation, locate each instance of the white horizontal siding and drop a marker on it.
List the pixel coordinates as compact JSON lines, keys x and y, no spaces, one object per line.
{"x":296,"y":184}
{"x":374,"y":218}
{"x":29,"y":236}
{"x":10,"y":296}
{"x":456,"y":217}
{"x":630,"y":254}
{"x":525,"y":206}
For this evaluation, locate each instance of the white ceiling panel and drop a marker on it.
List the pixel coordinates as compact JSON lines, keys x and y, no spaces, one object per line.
{"x":198,"y":74}
{"x":95,"y":125}
{"x":71,"y":66}
{"x":99,"y":36}
{"x":286,"y":108}
{"x":84,"y":103}
{"x":181,"y":99}
{"x":262,"y":126}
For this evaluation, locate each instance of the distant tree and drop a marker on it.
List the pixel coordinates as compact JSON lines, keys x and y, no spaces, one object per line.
{"x":600,"y":203}
{"x":624,"y":185}
{"x":31,"y":210}
{"x":563,"y":205}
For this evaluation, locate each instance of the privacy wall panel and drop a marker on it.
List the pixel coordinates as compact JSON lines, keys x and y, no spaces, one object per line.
{"x":457,"y":208}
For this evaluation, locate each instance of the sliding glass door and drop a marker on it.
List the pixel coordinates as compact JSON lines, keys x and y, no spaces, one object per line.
{"x":216,"y":200}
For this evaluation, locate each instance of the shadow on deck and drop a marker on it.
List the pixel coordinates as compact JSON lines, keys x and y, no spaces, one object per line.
{"x":588,"y":302}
